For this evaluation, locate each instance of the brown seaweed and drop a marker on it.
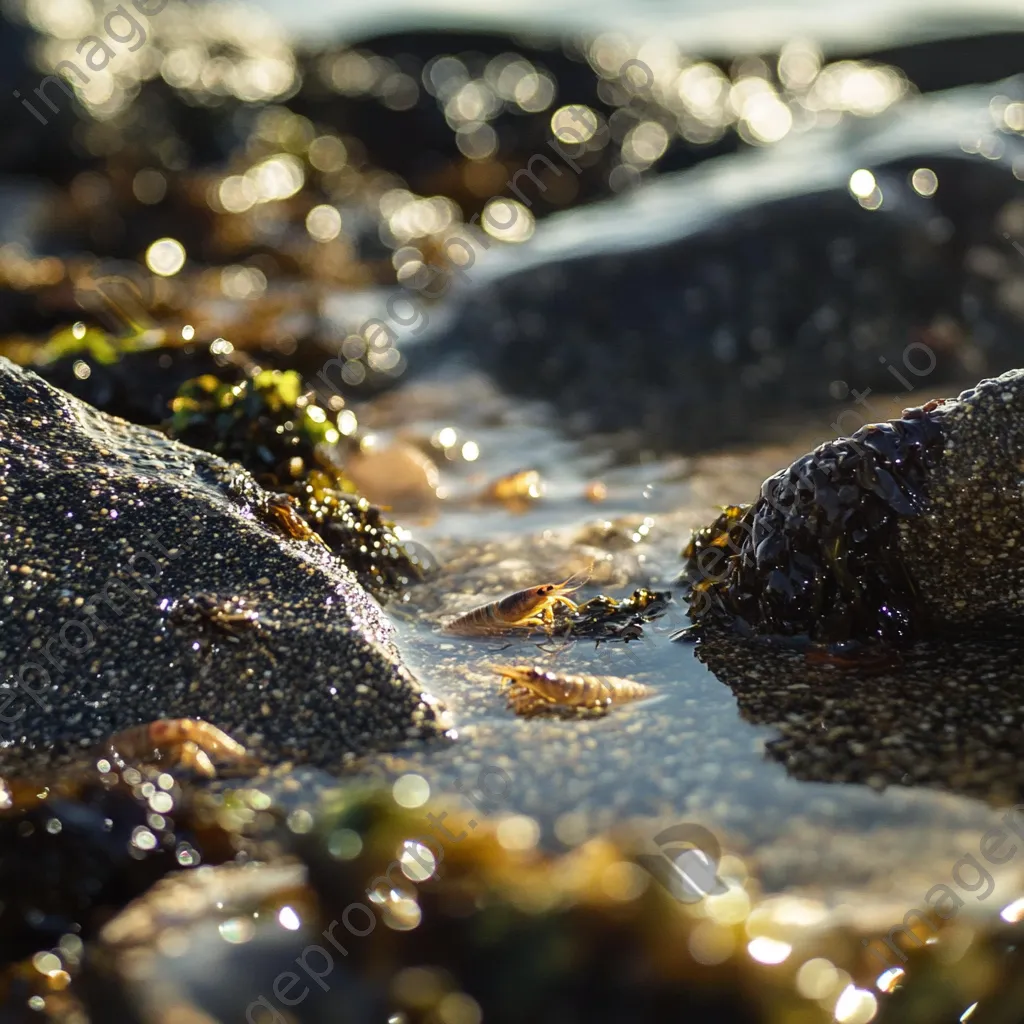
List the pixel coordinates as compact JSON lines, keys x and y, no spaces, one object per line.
{"x":604,"y":618}
{"x":852,"y":542}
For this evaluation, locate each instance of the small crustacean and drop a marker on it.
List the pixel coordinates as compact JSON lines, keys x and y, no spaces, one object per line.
{"x":229,"y":615}
{"x":525,"y":609}
{"x":283,"y":511}
{"x":534,"y":690}
{"x":182,"y":741}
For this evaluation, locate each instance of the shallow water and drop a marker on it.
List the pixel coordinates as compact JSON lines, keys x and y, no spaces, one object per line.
{"x":687,"y":753}
{"x":696,"y":23}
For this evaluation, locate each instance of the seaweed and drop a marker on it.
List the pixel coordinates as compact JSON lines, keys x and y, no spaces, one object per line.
{"x":268,"y":423}
{"x":231,"y":622}
{"x":274,"y":428}
{"x":817,"y":554}
{"x":604,"y":618}
{"x":134,"y":374}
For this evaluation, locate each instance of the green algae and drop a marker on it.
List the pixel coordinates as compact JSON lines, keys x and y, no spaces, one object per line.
{"x":267,"y":423}
{"x":82,"y":340}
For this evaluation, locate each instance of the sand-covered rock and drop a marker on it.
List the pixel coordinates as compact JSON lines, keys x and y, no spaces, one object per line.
{"x":143,"y":579}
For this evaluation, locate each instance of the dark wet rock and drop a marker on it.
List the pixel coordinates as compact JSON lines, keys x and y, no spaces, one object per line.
{"x":906,"y":529}
{"x":228,"y":921}
{"x":234,"y":949}
{"x":966,"y":553}
{"x":55,"y":137}
{"x":27,"y":145}
{"x":394,"y":92}
{"x":136,"y":385}
{"x":816,"y":555}
{"x":704,"y":308}
{"x":108,"y":528}
{"x":75,"y":850}
{"x":399,"y":113}
{"x":952,"y":60}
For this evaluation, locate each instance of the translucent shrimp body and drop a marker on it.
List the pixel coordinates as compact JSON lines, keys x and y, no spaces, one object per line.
{"x":531,"y":608}
{"x":534,"y":689}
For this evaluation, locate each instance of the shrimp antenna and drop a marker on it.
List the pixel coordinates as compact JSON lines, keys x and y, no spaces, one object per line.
{"x":505,"y":671}
{"x":577,"y":579}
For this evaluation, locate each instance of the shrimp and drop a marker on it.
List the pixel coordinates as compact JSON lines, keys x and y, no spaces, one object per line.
{"x":284,"y":514}
{"x":184,"y":741}
{"x":525,"y":609}
{"x":533,"y":690}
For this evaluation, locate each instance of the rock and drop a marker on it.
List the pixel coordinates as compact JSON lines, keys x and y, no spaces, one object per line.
{"x":125,"y":553}
{"x":232,"y":946}
{"x":75,"y":851}
{"x":137,"y":385}
{"x":398,"y":110}
{"x":270,"y":425}
{"x":398,"y":476}
{"x":966,"y":553}
{"x":907,"y":529}
{"x":702,"y":308}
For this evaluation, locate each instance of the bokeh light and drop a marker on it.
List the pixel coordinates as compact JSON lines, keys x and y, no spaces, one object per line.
{"x":165,"y":257}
